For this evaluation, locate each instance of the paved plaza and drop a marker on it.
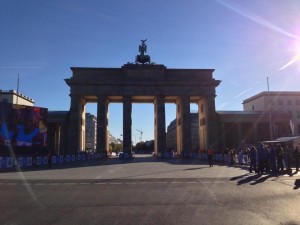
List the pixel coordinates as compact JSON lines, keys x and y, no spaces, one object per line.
{"x":145,"y":190}
{"x":140,"y":167}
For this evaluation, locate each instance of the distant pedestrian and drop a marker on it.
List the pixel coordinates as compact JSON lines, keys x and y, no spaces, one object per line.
{"x":241,"y":157}
{"x":262,"y":159}
{"x":231,"y":157}
{"x":273,"y":160}
{"x":296,"y":158}
{"x":280,"y":154}
{"x":252,"y":156}
{"x":210,"y":153}
{"x":49,"y":159}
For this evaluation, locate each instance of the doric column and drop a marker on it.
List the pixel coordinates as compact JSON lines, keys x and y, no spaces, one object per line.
{"x":127,"y":121}
{"x":183,"y":117}
{"x":57,"y":139}
{"x":207,"y":123}
{"x":102,"y":122}
{"x":75,"y":125}
{"x":159,"y":126}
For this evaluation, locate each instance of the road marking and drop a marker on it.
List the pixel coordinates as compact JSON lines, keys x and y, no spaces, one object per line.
{"x":54,"y":183}
{"x":115,"y":183}
{"x":100,"y":183}
{"x":176,"y":182}
{"x":192,"y":182}
{"x":84,"y":183}
{"x":39,"y":184}
{"x":69,"y":183}
{"x":206,"y":182}
{"x":219,"y":182}
{"x":130,"y":183}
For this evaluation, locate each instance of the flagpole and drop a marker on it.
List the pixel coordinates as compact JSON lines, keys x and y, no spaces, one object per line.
{"x":269,"y":109}
{"x":18,"y":88}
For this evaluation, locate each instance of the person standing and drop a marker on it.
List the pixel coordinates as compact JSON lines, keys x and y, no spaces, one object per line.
{"x":252,"y":156}
{"x":49,"y":159}
{"x":262,"y":159}
{"x":296,"y":158}
{"x":280,"y":154}
{"x":231,"y":157}
{"x":210,"y":153}
{"x":273,"y":160}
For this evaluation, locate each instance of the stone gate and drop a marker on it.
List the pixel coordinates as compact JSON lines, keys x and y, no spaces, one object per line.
{"x":146,"y":83}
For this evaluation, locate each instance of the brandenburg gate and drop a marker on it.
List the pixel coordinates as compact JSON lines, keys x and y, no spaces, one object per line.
{"x":143,"y":82}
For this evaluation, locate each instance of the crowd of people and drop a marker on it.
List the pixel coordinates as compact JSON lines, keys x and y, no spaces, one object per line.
{"x":273,"y":158}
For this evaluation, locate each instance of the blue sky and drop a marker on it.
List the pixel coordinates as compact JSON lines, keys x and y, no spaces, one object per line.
{"x":244,"y":41}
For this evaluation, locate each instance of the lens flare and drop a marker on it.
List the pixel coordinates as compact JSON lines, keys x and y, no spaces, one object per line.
{"x":295,"y":58}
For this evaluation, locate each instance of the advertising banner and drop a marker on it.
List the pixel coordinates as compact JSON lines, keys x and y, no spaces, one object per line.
{"x":45,"y":160}
{"x":38,"y":160}
{"x":9,"y":162}
{"x":29,"y":161}
{"x":22,"y":127}
{"x":68,"y":158}
{"x":20,"y":161}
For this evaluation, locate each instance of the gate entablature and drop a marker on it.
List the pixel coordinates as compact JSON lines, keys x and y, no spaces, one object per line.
{"x":142,"y":80}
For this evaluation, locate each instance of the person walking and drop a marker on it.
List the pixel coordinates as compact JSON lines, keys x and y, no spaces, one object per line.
{"x":210,"y":153}
{"x":296,"y":158}
{"x":252,"y":155}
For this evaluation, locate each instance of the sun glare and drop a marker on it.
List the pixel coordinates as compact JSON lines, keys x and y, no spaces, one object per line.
{"x":295,"y":58}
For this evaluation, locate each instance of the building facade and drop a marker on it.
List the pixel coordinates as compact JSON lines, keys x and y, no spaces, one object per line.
{"x":14,"y":97}
{"x":275,"y":101}
{"x":236,"y":129}
{"x":90,"y":132}
{"x":58,"y":128}
{"x":171,"y":134}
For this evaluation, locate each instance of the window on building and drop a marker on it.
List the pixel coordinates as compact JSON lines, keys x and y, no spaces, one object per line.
{"x":252,"y":107}
{"x":298,"y":114}
{"x":289,"y":102}
{"x":5,"y":100}
{"x":290,"y":114}
{"x":279,"y":102}
{"x":297,"y":102}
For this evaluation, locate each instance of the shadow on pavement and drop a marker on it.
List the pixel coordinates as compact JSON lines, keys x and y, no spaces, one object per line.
{"x":252,"y":179}
{"x":261,"y":179}
{"x":297,"y":184}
